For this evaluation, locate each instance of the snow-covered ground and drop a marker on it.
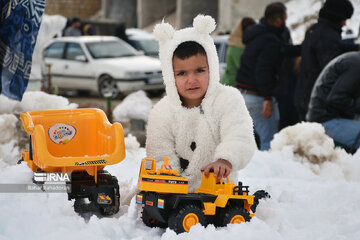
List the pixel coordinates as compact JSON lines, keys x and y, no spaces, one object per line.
{"x":308,"y":200}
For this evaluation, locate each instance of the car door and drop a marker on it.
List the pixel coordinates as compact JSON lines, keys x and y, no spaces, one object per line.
{"x":54,"y":61}
{"x":79,"y":74}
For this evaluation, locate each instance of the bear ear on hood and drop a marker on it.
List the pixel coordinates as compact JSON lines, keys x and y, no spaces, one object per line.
{"x":163,"y":31}
{"x":204,"y":24}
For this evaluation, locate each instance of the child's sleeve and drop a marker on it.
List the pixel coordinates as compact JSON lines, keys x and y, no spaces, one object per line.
{"x":159,"y":138}
{"x":237,"y":144}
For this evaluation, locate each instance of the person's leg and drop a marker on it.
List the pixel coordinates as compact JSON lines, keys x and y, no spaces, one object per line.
{"x":344,"y":131}
{"x":265,"y":128}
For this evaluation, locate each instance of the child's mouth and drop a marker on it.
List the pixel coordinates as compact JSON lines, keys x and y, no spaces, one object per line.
{"x":193,"y":89}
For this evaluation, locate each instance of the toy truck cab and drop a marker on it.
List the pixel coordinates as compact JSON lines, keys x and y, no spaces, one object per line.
{"x":164,"y":180}
{"x":226,"y":191}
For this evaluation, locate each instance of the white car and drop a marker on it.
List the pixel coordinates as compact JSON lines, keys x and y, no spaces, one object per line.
{"x":143,"y":41}
{"x":102,"y":64}
{"x":221,"y":43}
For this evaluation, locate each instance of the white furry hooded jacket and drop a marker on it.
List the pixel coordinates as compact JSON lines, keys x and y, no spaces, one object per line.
{"x":220,"y":127}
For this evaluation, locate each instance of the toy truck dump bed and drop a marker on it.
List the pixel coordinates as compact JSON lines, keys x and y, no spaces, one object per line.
{"x":81,"y":142}
{"x":73,"y":140}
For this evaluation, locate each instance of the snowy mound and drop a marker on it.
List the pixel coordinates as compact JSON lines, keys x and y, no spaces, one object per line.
{"x":135,"y":106}
{"x":33,"y":101}
{"x":306,"y":140}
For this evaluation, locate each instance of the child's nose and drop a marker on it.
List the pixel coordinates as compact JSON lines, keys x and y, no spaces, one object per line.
{"x":191,"y":78}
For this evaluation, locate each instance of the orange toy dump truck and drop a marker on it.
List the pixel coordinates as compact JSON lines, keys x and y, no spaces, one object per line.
{"x":80,"y":142}
{"x":167,"y":203}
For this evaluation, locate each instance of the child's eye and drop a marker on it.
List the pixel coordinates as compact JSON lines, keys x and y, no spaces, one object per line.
{"x":180,"y":74}
{"x":200,"y":70}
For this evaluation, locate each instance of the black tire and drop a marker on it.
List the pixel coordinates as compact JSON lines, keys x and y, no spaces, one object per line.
{"x":232,"y":214}
{"x":150,"y":222}
{"x":260,"y":194}
{"x":184,"y":217}
{"x":107,"y":85}
{"x":155,"y":93}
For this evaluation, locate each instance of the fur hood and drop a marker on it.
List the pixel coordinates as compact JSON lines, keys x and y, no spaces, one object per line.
{"x":169,"y":39}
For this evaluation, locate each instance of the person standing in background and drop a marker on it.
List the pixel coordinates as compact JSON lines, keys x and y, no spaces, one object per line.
{"x":285,"y":87}
{"x":88,"y":30}
{"x":74,"y":28}
{"x":322,"y":44}
{"x":258,"y":73}
{"x":234,"y":51}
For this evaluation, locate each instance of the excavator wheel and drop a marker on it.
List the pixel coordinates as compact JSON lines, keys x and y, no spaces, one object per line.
{"x":234,"y":214}
{"x":184,"y":217}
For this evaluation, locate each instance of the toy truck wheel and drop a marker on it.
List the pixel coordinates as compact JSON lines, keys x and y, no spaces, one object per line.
{"x":150,"y":222}
{"x":184,"y":217}
{"x":233,"y":215}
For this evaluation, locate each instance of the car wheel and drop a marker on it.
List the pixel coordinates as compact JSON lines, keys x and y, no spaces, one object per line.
{"x":107,"y":86}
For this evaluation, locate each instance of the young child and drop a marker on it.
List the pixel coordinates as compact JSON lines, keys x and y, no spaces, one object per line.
{"x":200,"y":124}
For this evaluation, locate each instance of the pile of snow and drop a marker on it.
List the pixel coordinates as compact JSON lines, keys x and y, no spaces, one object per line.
{"x":306,"y":140}
{"x":33,"y":101}
{"x":9,"y":151}
{"x":304,"y":13}
{"x":135,"y":106}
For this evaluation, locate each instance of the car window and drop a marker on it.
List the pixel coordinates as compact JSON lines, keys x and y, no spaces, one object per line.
{"x":55,"y":50}
{"x":221,"y":48}
{"x":218,"y":50}
{"x":150,"y":46}
{"x":73,"y":50}
{"x":110,"y":49}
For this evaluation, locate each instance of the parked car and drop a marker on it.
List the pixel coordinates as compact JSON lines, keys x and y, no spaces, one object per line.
{"x":221,"y":43}
{"x":102,"y":64}
{"x":143,"y":41}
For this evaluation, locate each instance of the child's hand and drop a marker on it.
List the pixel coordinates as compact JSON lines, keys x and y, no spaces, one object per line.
{"x":221,"y":167}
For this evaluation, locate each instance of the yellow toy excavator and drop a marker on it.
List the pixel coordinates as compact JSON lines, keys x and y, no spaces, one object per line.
{"x":167,"y":203}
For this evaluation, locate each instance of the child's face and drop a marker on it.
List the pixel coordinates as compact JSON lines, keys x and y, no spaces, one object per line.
{"x":191,"y":79}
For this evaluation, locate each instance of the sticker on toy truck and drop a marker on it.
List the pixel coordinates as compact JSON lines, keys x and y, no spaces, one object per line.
{"x":103,"y":199}
{"x":62,"y":133}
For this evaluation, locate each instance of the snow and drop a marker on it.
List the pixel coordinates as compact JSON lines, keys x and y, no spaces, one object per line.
{"x":33,"y":101}
{"x":135,"y":106}
{"x":314,"y":188}
{"x":308,"y":200}
{"x":308,"y":140}
{"x":135,"y":34}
